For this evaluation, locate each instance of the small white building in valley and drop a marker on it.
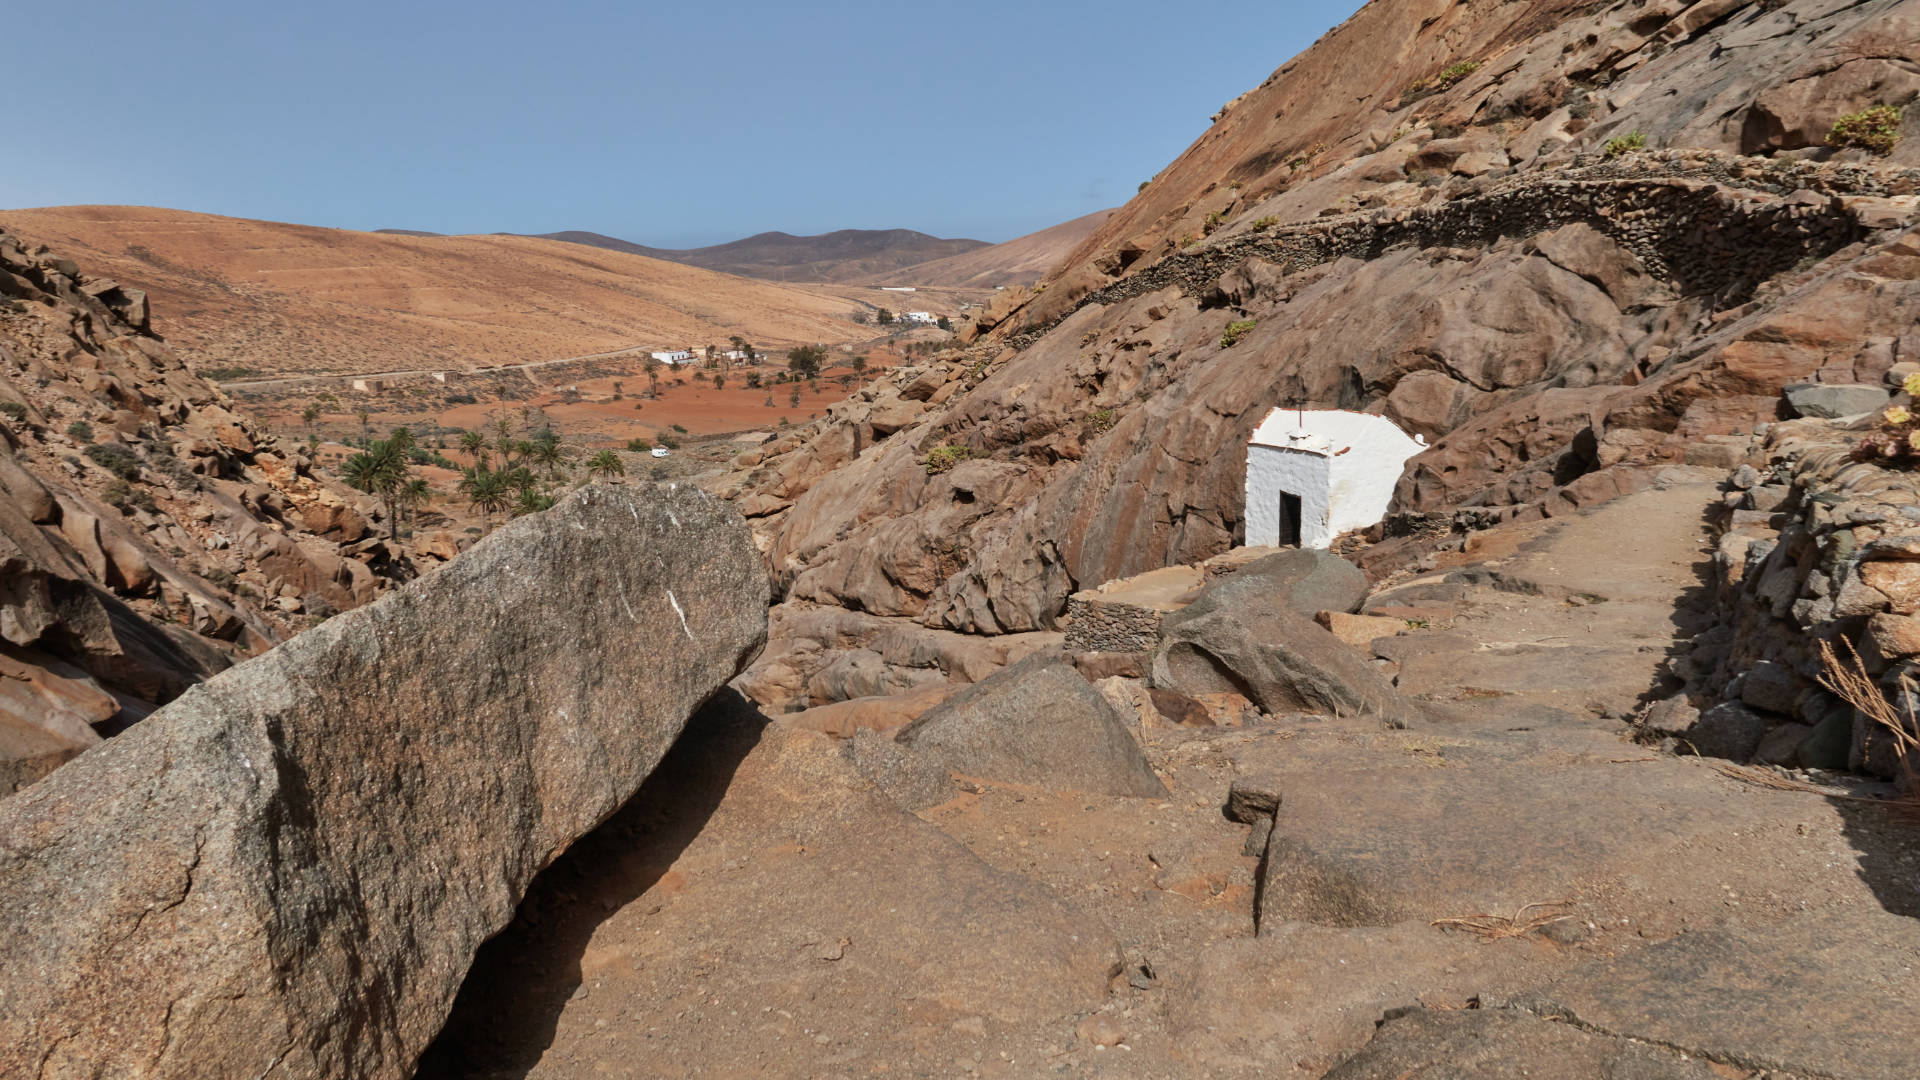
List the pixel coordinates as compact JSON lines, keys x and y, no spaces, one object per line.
{"x":1313,"y":474}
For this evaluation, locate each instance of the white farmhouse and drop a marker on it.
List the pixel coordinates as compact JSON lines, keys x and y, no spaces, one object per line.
{"x":670,"y":357}
{"x":1313,"y":474}
{"x":926,"y":317}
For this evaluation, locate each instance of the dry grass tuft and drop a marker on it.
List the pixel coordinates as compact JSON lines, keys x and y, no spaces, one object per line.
{"x":1519,"y":924}
{"x":1849,"y":680}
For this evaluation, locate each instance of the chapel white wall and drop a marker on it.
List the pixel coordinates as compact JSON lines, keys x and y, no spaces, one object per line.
{"x":1270,"y":471}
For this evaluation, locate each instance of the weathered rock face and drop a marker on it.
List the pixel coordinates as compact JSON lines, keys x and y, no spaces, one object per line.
{"x":148,"y":535}
{"x":288,"y":870}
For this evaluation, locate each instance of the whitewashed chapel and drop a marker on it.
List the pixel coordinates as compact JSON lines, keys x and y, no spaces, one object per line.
{"x":1313,"y":474}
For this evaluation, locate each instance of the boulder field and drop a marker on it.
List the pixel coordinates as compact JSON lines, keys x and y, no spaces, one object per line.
{"x":287,"y":871}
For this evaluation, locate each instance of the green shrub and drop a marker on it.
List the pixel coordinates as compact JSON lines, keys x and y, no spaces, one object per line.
{"x":1875,"y":130}
{"x":1235,"y":331}
{"x":669,"y":442}
{"x":1265,"y":223}
{"x":80,"y":430}
{"x":942,"y":458}
{"x":679,"y":429}
{"x":1099,"y":421}
{"x":116,"y":459}
{"x":129,"y":498}
{"x":1453,"y":73}
{"x":1626,"y":144}
{"x":1213,"y":222}
{"x":13,"y":411}
{"x":639,"y":446}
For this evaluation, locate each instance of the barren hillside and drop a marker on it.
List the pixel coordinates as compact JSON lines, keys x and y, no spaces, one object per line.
{"x":276,"y":298}
{"x":1020,"y":261}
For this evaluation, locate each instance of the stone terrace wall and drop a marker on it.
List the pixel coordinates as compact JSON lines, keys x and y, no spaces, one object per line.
{"x":1709,"y":224}
{"x":1815,"y":546}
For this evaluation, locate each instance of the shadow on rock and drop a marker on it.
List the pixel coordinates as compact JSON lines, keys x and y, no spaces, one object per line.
{"x":505,"y":1015}
{"x":1887,"y":841}
{"x":1693,"y":615}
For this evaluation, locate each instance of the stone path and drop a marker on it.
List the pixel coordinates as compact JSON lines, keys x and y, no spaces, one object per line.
{"x":1511,"y":885}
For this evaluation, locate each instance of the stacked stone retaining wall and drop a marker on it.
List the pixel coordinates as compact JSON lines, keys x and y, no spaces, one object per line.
{"x":1708,"y":224}
{"x":1814,"y":546}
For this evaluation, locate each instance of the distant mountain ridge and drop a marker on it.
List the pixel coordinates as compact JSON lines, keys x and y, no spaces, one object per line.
{"x":1020,"y":261}
{"x":840,"y":257}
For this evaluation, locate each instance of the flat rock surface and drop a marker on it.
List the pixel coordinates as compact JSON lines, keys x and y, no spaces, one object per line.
{"x":759,"y":909}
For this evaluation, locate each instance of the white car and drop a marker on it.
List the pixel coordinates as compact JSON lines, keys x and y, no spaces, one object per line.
{"x":659,"y":451}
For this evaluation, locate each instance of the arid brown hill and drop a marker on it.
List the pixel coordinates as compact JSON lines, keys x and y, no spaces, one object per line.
{"x":294,"y":299}
{"x":848,"y":256}
{"x":149,"y":535}
{"x":1020,"y":261}
{"x":1418,"y":217}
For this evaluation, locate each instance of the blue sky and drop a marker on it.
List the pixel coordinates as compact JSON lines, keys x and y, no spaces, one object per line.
{"x":666,"y":124}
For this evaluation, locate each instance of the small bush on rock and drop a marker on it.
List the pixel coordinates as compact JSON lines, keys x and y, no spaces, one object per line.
{"x":81,"y":431}
{"x":942,"y":458}
{"x":1875,"y":130}
{"x":1235,"y":331}
{"x":1897,"y":438}
{"x":13,"y":411}
{"x":116,"y":459}
{"x":1626,"y":144}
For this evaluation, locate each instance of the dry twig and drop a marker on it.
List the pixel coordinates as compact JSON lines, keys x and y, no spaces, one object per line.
{"x":1497,"y":927}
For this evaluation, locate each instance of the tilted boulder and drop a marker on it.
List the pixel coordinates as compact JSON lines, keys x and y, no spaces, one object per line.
{"x":287,"y":871}
{"x":1250,"y":640}
{"x":1305,"y":580}
{"x":1037,"y":722}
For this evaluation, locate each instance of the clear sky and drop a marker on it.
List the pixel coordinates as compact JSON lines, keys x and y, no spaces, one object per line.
{"x":666,"y":124}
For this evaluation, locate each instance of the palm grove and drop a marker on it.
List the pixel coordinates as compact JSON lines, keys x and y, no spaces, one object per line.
{"x":508,"y":475}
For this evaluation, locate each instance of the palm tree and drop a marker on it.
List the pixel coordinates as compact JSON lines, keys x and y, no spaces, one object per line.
{"x":531,"y":502}
{"x":310,"y":414}
{"x":546,"y":452}
{"x":606,"y":464}
{"x":486,"y":491}
{"x":413,"y":495}
{"x":401,"y":438}
{"x":380,"y":470}
{"x":474,"y":444}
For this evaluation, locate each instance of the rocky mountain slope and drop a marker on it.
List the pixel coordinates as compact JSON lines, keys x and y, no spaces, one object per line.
{"x":150,"y":535}
{"x":276,"y":298}
{"x":841,"y":257}
{"x":1020,"y":261}
{"x":1417,"y":217}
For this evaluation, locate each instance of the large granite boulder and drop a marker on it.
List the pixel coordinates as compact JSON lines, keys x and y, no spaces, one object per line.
{"x":1305,"y":581}
{"x":1038,"y":722}
{"x":287,"y":871}
{"x":1252,"y":641}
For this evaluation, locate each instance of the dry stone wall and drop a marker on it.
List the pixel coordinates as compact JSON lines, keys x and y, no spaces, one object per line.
{"x":1816,"y":546}
{"x":1674,"y":211}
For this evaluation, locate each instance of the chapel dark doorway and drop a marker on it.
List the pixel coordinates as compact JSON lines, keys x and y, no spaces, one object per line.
{"x":1289,"y":519}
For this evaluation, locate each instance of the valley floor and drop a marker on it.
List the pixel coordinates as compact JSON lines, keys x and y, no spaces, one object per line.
{"x":1509,"y":888}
